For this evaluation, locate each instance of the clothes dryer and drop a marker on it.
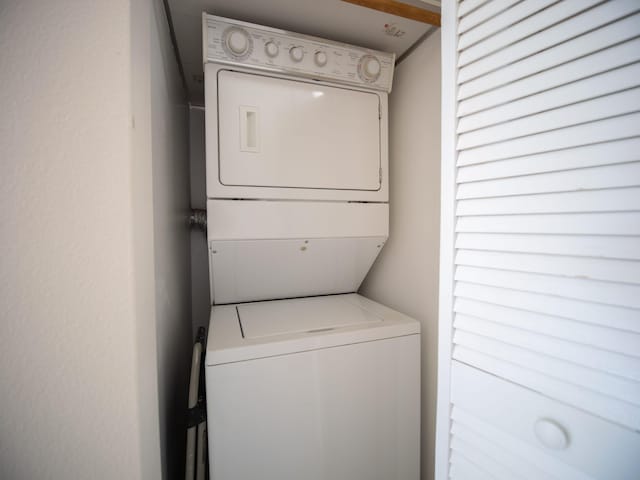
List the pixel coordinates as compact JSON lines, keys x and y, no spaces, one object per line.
{"x":297,"y":161}
{"x":316,"y":382}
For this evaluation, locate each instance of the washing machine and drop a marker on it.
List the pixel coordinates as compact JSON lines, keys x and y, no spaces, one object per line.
{"x":304,"y":377}
{"x":313,"y":388}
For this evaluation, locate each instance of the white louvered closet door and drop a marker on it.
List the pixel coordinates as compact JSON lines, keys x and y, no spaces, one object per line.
{"x":540,"y":285}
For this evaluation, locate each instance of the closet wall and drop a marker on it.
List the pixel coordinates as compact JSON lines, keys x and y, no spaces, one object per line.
{"x":67,"y":332}
{"x":200,"y":301}
{"x":94,"y":279}
{"x":405,"y":276}
{"x":170,"y":173}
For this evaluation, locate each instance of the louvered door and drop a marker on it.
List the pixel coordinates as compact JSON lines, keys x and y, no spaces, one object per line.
{"x":540,"y":247}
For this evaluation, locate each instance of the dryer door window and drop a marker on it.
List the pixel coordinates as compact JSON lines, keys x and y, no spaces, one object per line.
{"x":284,"y":133}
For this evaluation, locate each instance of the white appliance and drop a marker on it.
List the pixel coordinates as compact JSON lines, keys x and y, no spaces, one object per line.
{"x":317,"y":388}
{"x":297,"y":162}
{"x":326,"y":386}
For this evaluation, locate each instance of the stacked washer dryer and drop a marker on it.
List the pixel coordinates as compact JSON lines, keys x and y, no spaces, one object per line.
{"x":305,"y":379}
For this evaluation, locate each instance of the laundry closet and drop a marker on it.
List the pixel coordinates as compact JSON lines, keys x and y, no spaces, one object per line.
{"x":538,"y":350}
{"x":498,"y":240}
{"x":296,"y":161}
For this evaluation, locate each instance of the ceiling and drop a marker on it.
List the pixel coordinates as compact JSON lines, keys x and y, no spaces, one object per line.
{"x":331,"y":19}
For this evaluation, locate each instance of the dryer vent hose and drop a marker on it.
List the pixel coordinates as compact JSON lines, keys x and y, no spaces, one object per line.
{"x":198,"y":219}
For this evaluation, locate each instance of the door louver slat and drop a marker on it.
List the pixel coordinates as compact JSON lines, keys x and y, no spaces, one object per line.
{"x":564,"y":349}
{"x":469,"y":423}
{"x":593,"y":155}
{"x":597,"y":51}
{"x":588,"y":178}
{"x":484,"y":12}
{"x":501,"y":37}
{"x":616,"y":317}
{"x":618,"y":200}
{"x":611,"y":293}
{"x":608,"y":106}
{"x":566,"y":30}
{"x":595,"y":86}
{"x":575,"y":245}
{"x":502,"y":21}
{"x":468,"y":6}
{"x":615,"y":128}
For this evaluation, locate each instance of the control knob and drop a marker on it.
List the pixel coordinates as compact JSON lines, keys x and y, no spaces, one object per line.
{"x":320,"y":58}
{"x":369,"y":68}
{"x":271,"y":49}
{"x":237,"y":42}
{"x":296,"y":53}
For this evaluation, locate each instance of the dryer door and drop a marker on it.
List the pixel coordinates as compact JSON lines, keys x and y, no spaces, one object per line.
{"x":296,"y":134}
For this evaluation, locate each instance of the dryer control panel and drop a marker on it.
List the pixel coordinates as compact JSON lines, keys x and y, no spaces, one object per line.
{"x":232,"y":42}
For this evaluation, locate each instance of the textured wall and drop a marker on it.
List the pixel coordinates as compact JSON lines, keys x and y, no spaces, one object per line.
{"x":94,"y":285}
{"x":68,"y":391}
{"x":405,"y":276}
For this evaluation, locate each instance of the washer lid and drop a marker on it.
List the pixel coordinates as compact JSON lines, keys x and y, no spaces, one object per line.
{"x":308,"y":315}
{"x":264,"y":329}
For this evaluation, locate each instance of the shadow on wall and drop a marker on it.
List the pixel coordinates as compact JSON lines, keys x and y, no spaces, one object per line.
{"x":405,"y":275}
{"x":200,"y":302}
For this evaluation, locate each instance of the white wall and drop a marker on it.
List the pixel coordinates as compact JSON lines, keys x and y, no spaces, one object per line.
{"x":67,"y":334}
{"x":143,"y":236}
{"x":80,"y":365}
{"x":171,"y":209}
{"x":405,"y":275}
